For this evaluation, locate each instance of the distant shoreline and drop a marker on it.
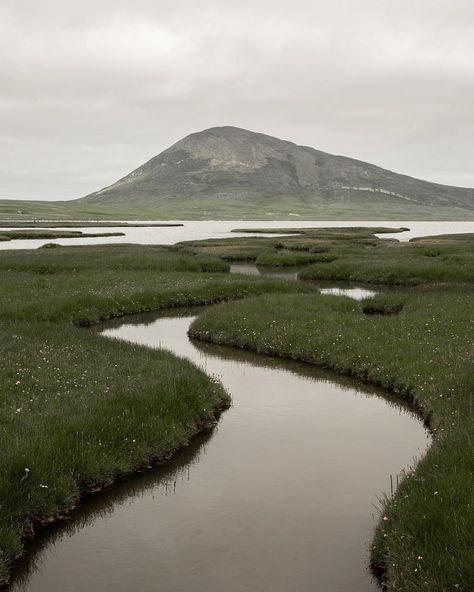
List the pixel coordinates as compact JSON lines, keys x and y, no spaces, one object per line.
{"x":80,"y":224}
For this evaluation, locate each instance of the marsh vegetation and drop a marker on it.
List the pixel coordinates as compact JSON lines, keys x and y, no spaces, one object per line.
{"x":417,"y":342}
{"x":36,"y":233}
{"x":63,"y":387}
{"x":239,"y":500}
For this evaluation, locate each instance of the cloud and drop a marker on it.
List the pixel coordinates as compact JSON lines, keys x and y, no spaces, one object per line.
{"x":90,"y":90}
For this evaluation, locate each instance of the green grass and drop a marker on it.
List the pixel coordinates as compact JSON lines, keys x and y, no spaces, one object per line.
{"x":418,"y":342}
{"x":64,"y":387}
{"x":424,"y":353}
{"x":413,"y":263}
{"x":118,"y":257}
{"x":79,"y":411}
{"x":297,"y":249}
{"x":37,"y":233}
{"x":231,"y":207}
{"x":353,"y":254}
{"x":338,"y":233}
{"x":290,"y":258}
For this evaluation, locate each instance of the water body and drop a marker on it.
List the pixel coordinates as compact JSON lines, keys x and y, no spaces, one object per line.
{"x":350,"y":289}
{"x":198,"y":230}
{"x":280,"y":497}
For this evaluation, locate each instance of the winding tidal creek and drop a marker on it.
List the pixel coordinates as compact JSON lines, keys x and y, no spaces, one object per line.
{"x":281,"y":496}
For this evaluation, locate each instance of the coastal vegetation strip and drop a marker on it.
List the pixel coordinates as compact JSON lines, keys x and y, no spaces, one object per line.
{"x":228,"y":207}
{"x":79,"y":411}
{"x":82,"y":224}
{"x":336,"y":232}
{"x":37,"y":233}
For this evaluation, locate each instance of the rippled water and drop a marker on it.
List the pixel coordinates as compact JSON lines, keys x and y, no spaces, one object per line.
{"x":280,"y":497}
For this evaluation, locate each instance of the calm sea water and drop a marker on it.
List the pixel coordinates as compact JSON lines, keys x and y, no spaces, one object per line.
{"x":196,"y":230}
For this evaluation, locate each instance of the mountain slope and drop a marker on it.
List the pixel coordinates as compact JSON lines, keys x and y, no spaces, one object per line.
{"x":228,"y":166}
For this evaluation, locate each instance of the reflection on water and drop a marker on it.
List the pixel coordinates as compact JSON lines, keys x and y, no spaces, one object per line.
{"x":279,"y":497}
{"x":291,"y":274}
{"x":355,"y":293}
{"x":163,"y":481}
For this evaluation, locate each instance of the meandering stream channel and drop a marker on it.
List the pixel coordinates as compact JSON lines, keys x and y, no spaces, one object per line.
{"x":280,"y":497}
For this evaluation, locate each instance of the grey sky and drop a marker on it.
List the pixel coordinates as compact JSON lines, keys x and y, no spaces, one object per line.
{"x":91,"y":89}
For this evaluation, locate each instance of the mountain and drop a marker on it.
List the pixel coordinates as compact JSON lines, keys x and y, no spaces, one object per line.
{"x":228,"y":168}
{"x":230,"y":173}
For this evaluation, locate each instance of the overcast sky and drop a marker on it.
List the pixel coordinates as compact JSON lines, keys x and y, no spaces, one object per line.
{"x":91,"y":89}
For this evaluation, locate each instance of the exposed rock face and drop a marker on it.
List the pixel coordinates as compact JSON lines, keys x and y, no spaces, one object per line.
{"x":231,"y":162}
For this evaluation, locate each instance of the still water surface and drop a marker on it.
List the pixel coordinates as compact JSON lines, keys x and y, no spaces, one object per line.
{"x":280,"y":497}
{"x":198,"y":230}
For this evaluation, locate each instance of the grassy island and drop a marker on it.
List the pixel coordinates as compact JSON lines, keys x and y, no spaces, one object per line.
{"x":45,"y":233}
